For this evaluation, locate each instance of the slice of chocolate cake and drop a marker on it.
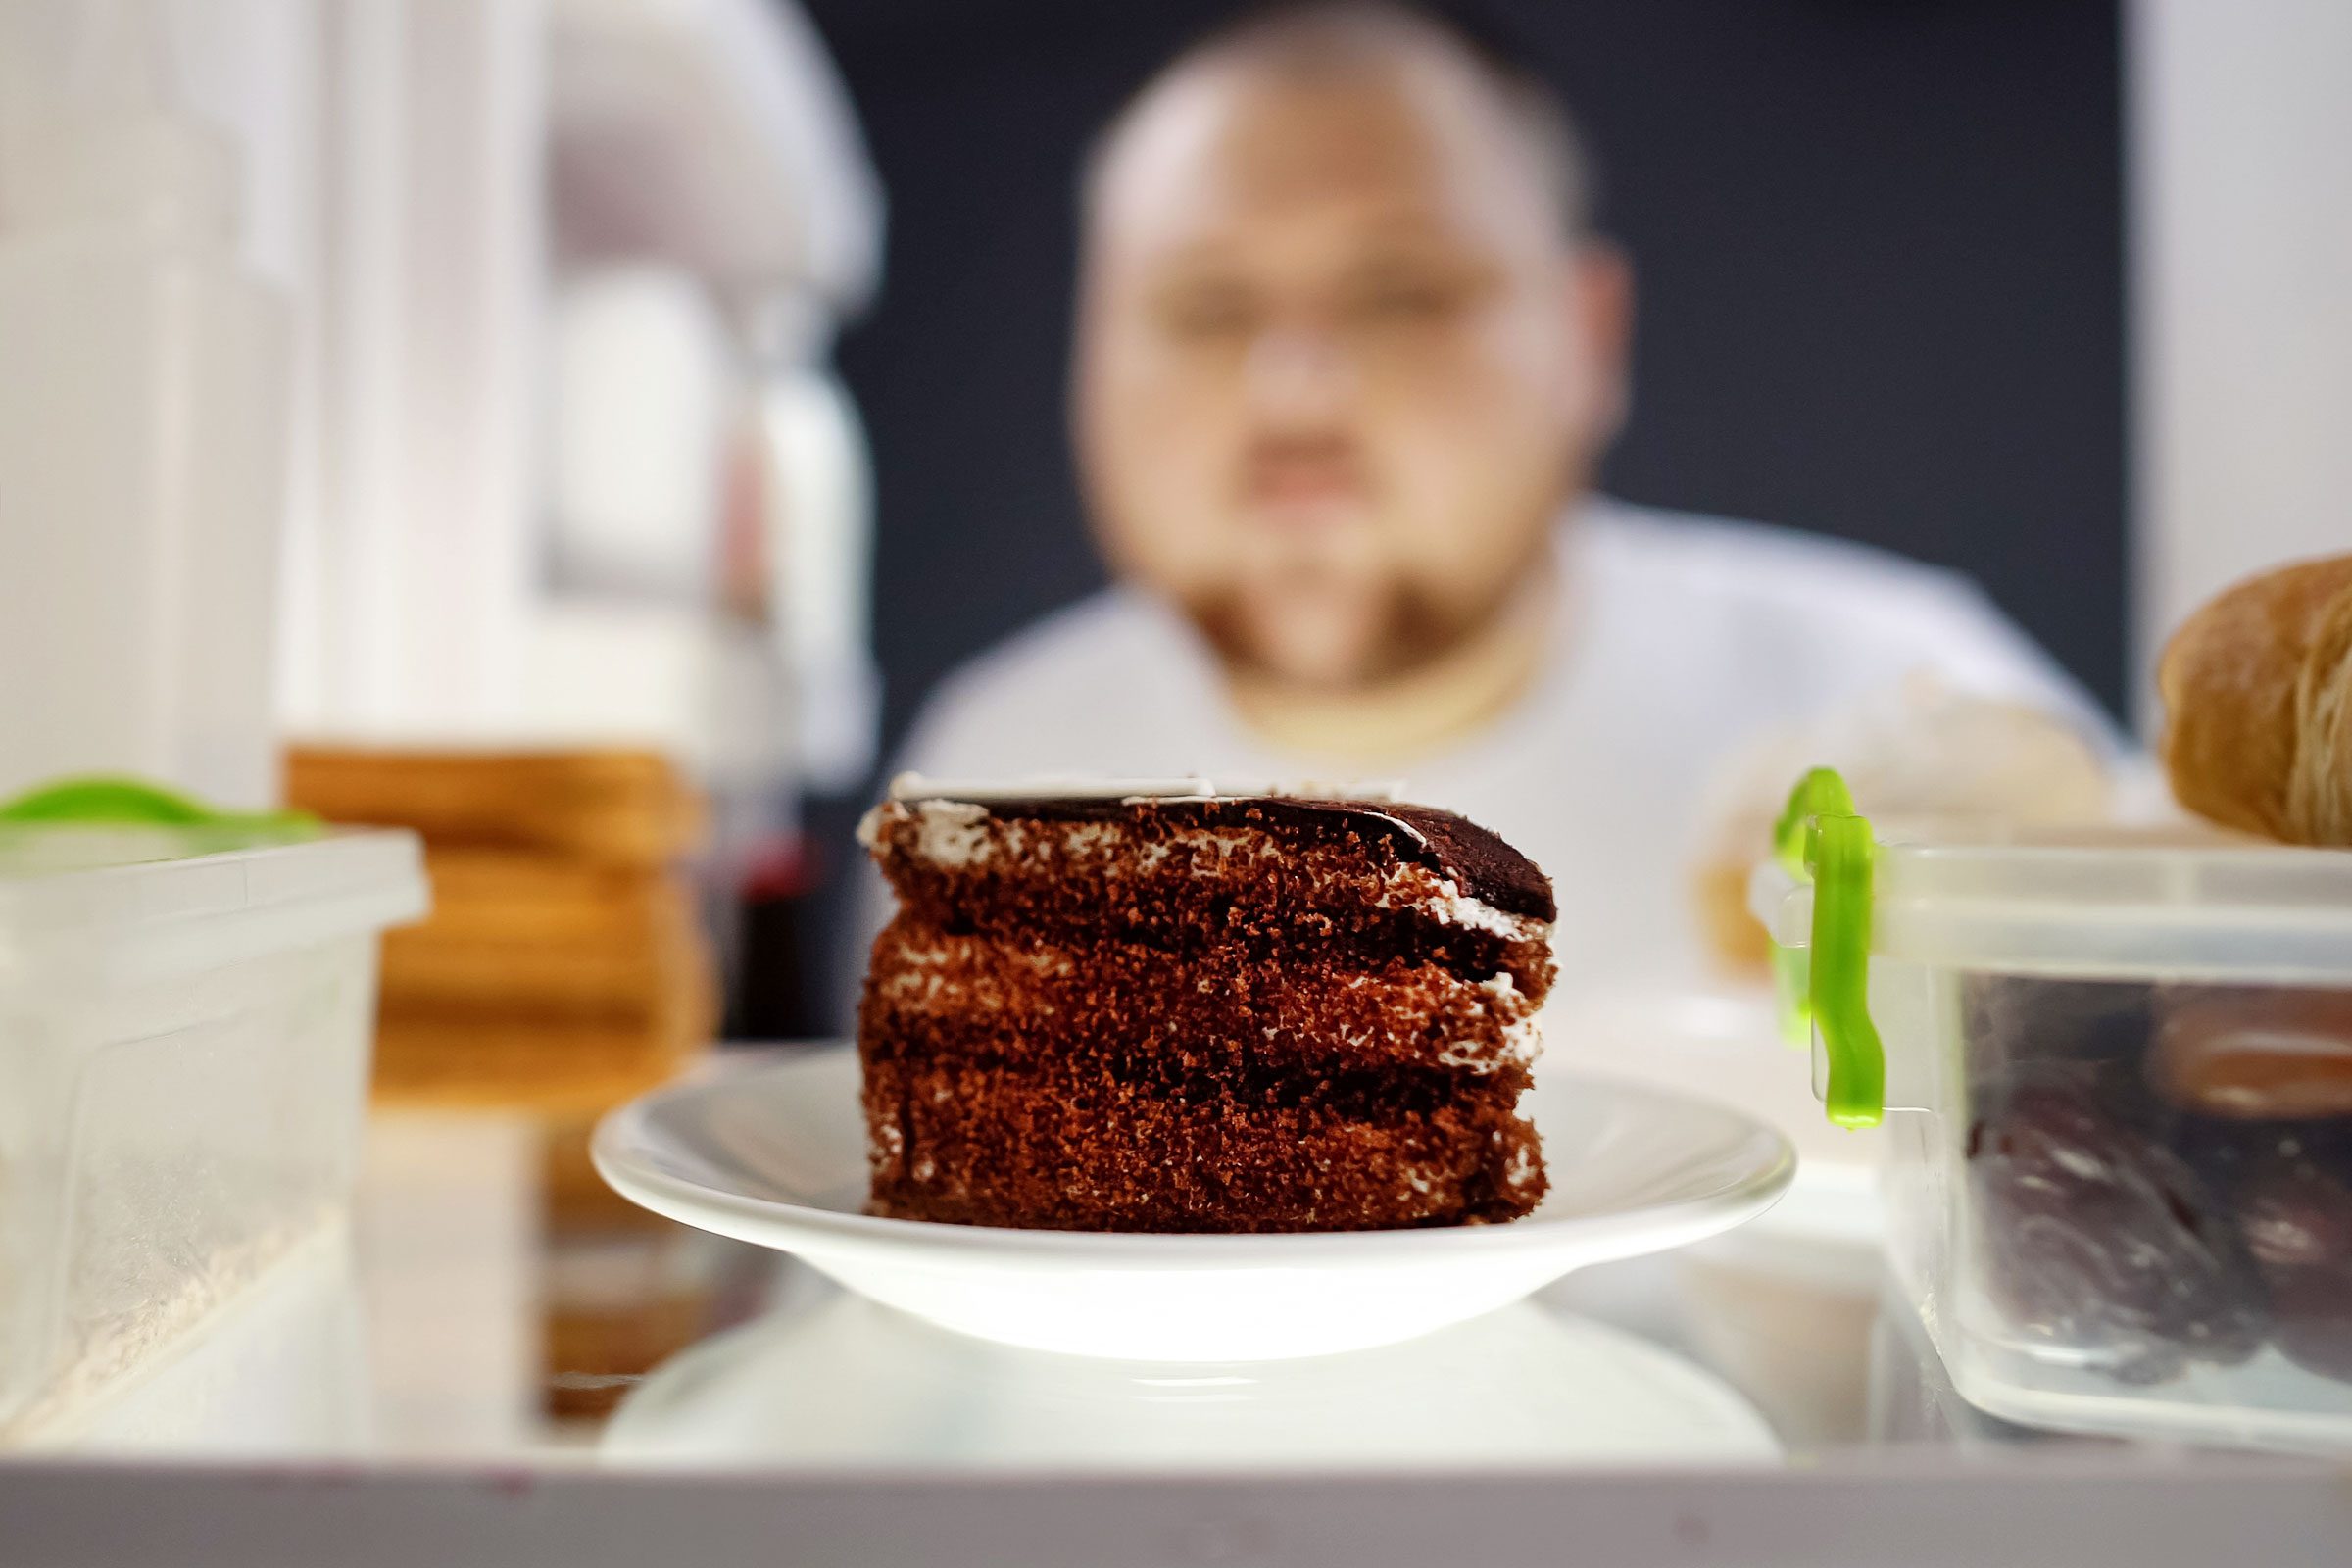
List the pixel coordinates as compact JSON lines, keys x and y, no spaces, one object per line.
{"x":1160,"y":1008}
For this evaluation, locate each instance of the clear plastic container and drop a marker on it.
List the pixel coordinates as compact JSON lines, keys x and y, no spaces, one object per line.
{"x":2117,"y":1099}
{"x":184,"y":1025}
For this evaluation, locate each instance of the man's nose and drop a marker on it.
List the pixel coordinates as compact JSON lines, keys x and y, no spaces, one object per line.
{"x":1300,"y":375}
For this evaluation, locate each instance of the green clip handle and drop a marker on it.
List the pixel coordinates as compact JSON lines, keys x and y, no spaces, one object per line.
{"x":1825,"y":987}
{"x":1839,"y":852}
{"x":1819,"y":793}
{"x":131,"y":803}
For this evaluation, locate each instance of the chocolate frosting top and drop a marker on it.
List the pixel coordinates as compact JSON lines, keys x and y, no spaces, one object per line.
{"x":1476,"y":860}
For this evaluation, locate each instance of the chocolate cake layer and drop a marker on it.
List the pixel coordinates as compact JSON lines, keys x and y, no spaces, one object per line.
{"x":1453,"y":847}
{"x":1181,"y":877}
{"x":1201,"y":1013}
{"x":1067,"y":1149}
{"x":1229,"y":1009}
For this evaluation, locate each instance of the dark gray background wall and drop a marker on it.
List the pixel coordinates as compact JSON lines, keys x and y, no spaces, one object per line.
{"x":1879,"y":249}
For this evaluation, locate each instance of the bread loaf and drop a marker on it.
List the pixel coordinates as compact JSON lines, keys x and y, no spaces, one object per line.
{"x":2257,"y":691}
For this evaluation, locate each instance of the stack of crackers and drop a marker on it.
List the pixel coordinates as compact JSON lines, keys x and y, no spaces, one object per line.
{"x":562,"y":968}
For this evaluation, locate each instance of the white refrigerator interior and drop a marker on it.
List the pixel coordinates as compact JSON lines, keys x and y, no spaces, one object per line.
{"x":142,"y":422}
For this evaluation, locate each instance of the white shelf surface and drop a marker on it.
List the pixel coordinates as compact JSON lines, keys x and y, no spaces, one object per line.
{"x":379,"y":1401}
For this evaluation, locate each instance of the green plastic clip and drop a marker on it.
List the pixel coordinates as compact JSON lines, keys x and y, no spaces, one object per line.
{"x":1839,"y":851}
{"x":1819,"y":792}
{"x":133,"y":802}
{"x":1821,"y":839}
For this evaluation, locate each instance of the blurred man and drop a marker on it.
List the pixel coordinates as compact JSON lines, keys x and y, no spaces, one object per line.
{"x":1347,"y":358}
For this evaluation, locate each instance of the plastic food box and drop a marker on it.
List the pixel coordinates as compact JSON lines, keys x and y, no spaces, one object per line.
{"x":2115,"y":1073}
{"x":184,"y":1026}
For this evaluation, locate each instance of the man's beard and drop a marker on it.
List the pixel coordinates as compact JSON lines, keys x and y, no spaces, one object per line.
{"x":1406,"y":629}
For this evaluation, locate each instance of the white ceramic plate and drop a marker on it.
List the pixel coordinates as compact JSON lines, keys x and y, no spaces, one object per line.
{"x":774,"y":1151}
{"x":833,"y":1380}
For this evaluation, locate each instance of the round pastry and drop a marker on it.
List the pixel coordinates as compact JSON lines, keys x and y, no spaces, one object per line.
{"x":1914,"y":753}
{"x":2296,"y":1214}
{"x":2100,"y":1242}
{"x":2257,"y":691}
{"x":2255,"y":1052}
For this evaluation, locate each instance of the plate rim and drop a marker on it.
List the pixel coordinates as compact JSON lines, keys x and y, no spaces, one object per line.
{"x":1754,"y":1192}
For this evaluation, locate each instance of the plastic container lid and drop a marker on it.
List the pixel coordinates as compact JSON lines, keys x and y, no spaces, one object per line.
{"x":109,"y":907}
{"x":2150,"y":904}
{"x":2160,"y":904}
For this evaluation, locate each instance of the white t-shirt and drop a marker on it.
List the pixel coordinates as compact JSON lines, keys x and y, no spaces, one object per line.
{"x":1687,"y":637}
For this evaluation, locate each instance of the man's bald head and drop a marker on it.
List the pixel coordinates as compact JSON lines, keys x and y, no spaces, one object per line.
{"x":1327,"y":39}
{"x":1344,"y":351}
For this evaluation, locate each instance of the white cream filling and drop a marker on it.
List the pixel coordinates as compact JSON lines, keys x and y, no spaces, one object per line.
{"x":1416,"y":886}
{"x":916,"y":971}
{"x":952,"y":833}
{"x":1522,"y":1041}
{"x":958,"y":834}
{"x":912,"y":787}
{"x":1457,"y":908}
{"x":1256,"y":846}
{"x":1522,"y":1165}
{"x":1088,"y":838}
